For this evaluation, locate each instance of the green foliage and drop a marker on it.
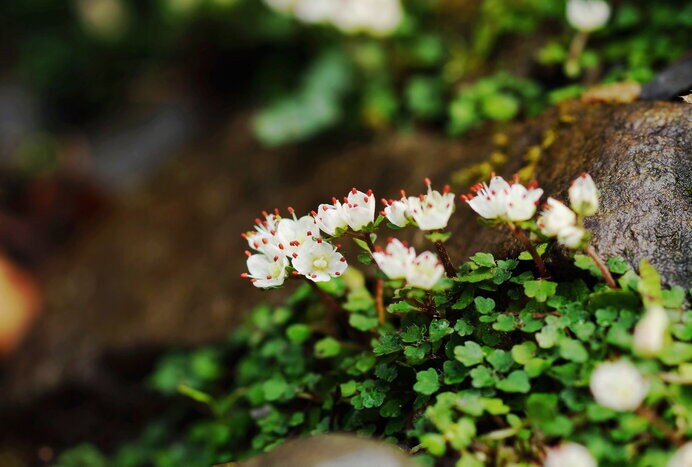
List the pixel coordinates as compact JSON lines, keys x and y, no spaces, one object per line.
{"x":487,"y":365}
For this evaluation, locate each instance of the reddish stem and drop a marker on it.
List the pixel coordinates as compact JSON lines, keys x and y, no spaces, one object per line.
{"x":656,"y":421}
{"x":379,"y":301}
{"x":601,"y":266}
{"x":531,"y":249}
{"x":444,"y":258}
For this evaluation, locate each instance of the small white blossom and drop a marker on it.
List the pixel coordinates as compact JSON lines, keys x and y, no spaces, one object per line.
{"x":265,"y":234}
{"x":395,"y":260}
{"x":569,"y":455}
{"x":618,"y":385}
{"x":583,"y":195}
{"x":587,"y":15}
{"x":424,"y":271}
{"x":397,"y":212}
{"x":318,"y":261}
{"x":315,"y":11}
{"x":650,"y":332}
{"x":682,"y":457}
{"x":359,"y":209}
{"x":503,"y":201}
{"x":330,"y":217}
{"x":267,"y":270}
{"x":555,"y":217}
{"x":490,"y":201}
{"x":522,"y":202}
{"x":572,"y":237}
{"x":432,"y":210}
{"x":294,"y":232}
{"x":379,"y":17}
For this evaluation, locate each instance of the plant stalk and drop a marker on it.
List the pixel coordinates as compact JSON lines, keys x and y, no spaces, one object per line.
{"x":444,"y":257}
{"x":531,"y":249}
{"x":379,"y":301}
{"x":601,"y":266}
{"x":656,"y":421}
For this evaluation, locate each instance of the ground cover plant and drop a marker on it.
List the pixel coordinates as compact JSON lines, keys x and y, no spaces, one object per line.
{"x":494,"y":362}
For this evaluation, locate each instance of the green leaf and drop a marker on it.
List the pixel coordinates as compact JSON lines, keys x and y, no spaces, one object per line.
{"x":438,"y":236}
{"x":461,"y":433}
{"x":650,"y":285}
{"x":416,"y":355}
{"x":434,"y":443}
{"x":387,"y":344}
{"x":504,"y":323}
{"x":413,"y":333}
{"x":427,"y":382}
{"x":500,"y":360}
{"x":439,"y":328}
{"x":465,"y":299}
{"x":516,"y":381}
{"x":618,"y":265}
{"x":274,"y":388}
{"x":298,"y":333}
{"x":540,"y":289}
{"x":463,"y":328}
{"x":573,"y":350}
{"x":522,"y":353}
{"x":370,"y":395}
{"x":482,"y":377}
{"x":348,"y":388}
{"x":362,"y":322}
{"x":484,"y":305}
{"x":587,"y":264}
{"x":540,"y":248}
{"x":483,"y":259}
{"x":401,"y":307}
{"x":478,"y":275}
{"x":327,"y":347}
{"x":469,"y":354}
{"x":454,"y":372}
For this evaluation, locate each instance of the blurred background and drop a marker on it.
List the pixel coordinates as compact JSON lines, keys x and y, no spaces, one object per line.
{"x":139,"y":138}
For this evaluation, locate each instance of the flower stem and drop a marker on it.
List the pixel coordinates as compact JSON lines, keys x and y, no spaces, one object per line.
{"x":601,"y":266}
{"x":661,"y":425}
{"x":575,"y":50}
{"x":379,"y":301}
{"x":530,"y":248}
{"x":444,"y":257}
{"x":329,"y":301}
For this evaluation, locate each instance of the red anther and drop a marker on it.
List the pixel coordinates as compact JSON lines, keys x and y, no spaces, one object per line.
{"x":314,"y":213}
{"x":258,"y":222}
{"x":446,"y":189}
{"x":264,"y":223}
{"x":427,"y":181}
{"x":324,"y":208}
{"x":366,"y":199}
{"x":244,"y":275}
{"x":253,"y":280}
{"x":273,"y":232}
{"x":269,"y":276}
{"x":309,"y":233}
{"x":243,"y":235}
{"x":379,"y":249}
{"x":276,"y":211}
{"x":314,"y":276}
{"x":319,"y":240}
{"x":345,"y":199}
{"x":384,"y":201}
{"x":403,"y":193}
{"x":390,"y":239}
{"x":383,"y":214}
{"x":354,"y":191}
{"x":276,"y":258}
{"x":343,"y":260}
{"x":464,"y":198}
{"x":533,"y":184}
{"x":584,"y":175}
{"x":337,"y":273}
{"x":369,"y":192}
{"x":405,"y":243}
{"x":295,"y":273}
{"x":429,"y":205}
{"x":334,"y":200}
{"x":291,"y":210}
{"x":338,"y":245}
{"x":247,"y":253}
{"x":295,"y":255}
{"x":281,"y":246}
{"x":487,"y":198}
{"x":492,"y":174}
{"x":493,"y":192}
{"x":264,"y":213}
{"x":256,"y":245}
{"x":353,"y":206}
{"x":515,"y":178}
{"x":535,"y":203}
{"x":421,"y":197}
{"x":265,"y":241}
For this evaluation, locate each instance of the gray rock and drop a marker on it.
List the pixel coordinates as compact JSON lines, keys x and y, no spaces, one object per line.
{"x":671,"y":83}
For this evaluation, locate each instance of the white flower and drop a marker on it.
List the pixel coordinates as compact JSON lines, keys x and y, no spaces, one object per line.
{"x":682,"y":457}
{"x":522,"y":202}
{"x":395,"y":260}
{"x":330,"y":217}
{"x":490,"y":201}
{"x":618,"y":385}
{"x":319,"y":261}
{"x":555,"y":217}
{"x":359,"y":209}
{"x":569,"y":455}
{"x":265,"y":234}
{"x":294,"y":232}
{"x":583,"y":195}
{"x":396,"y":212}
{"x":315,"y":11}
{"x":572,"y":237}
{"x":379,"y":17}
{"x":424,"y":271}
{"x":267,"y":270}
{"x":650,"y":331}
{"x":432,"y":210}
{"x":587,"y":15}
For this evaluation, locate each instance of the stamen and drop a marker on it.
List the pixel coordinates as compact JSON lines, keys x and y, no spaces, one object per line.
{"x":247,"y":253}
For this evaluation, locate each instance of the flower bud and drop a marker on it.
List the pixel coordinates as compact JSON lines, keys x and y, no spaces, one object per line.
{"x":583,"y":195}
{"x":618,"y":385}
{"x":650,"y":332}
{"x":569,"y":455}
{"x":587,"y":15}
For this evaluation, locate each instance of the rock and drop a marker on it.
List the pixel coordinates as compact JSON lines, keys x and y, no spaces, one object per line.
{"x":671,"y":83}
{"x":333,"y":450}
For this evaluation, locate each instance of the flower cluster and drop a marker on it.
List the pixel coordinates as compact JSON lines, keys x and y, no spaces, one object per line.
{"x":399,"y":261}
{"x":285,"y":245}
{"x":587,"y":15}
{"x":503,"y":201}
{"x":557,"y":220}
{"x":430,"y":211}
{"x":377,"y":17}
